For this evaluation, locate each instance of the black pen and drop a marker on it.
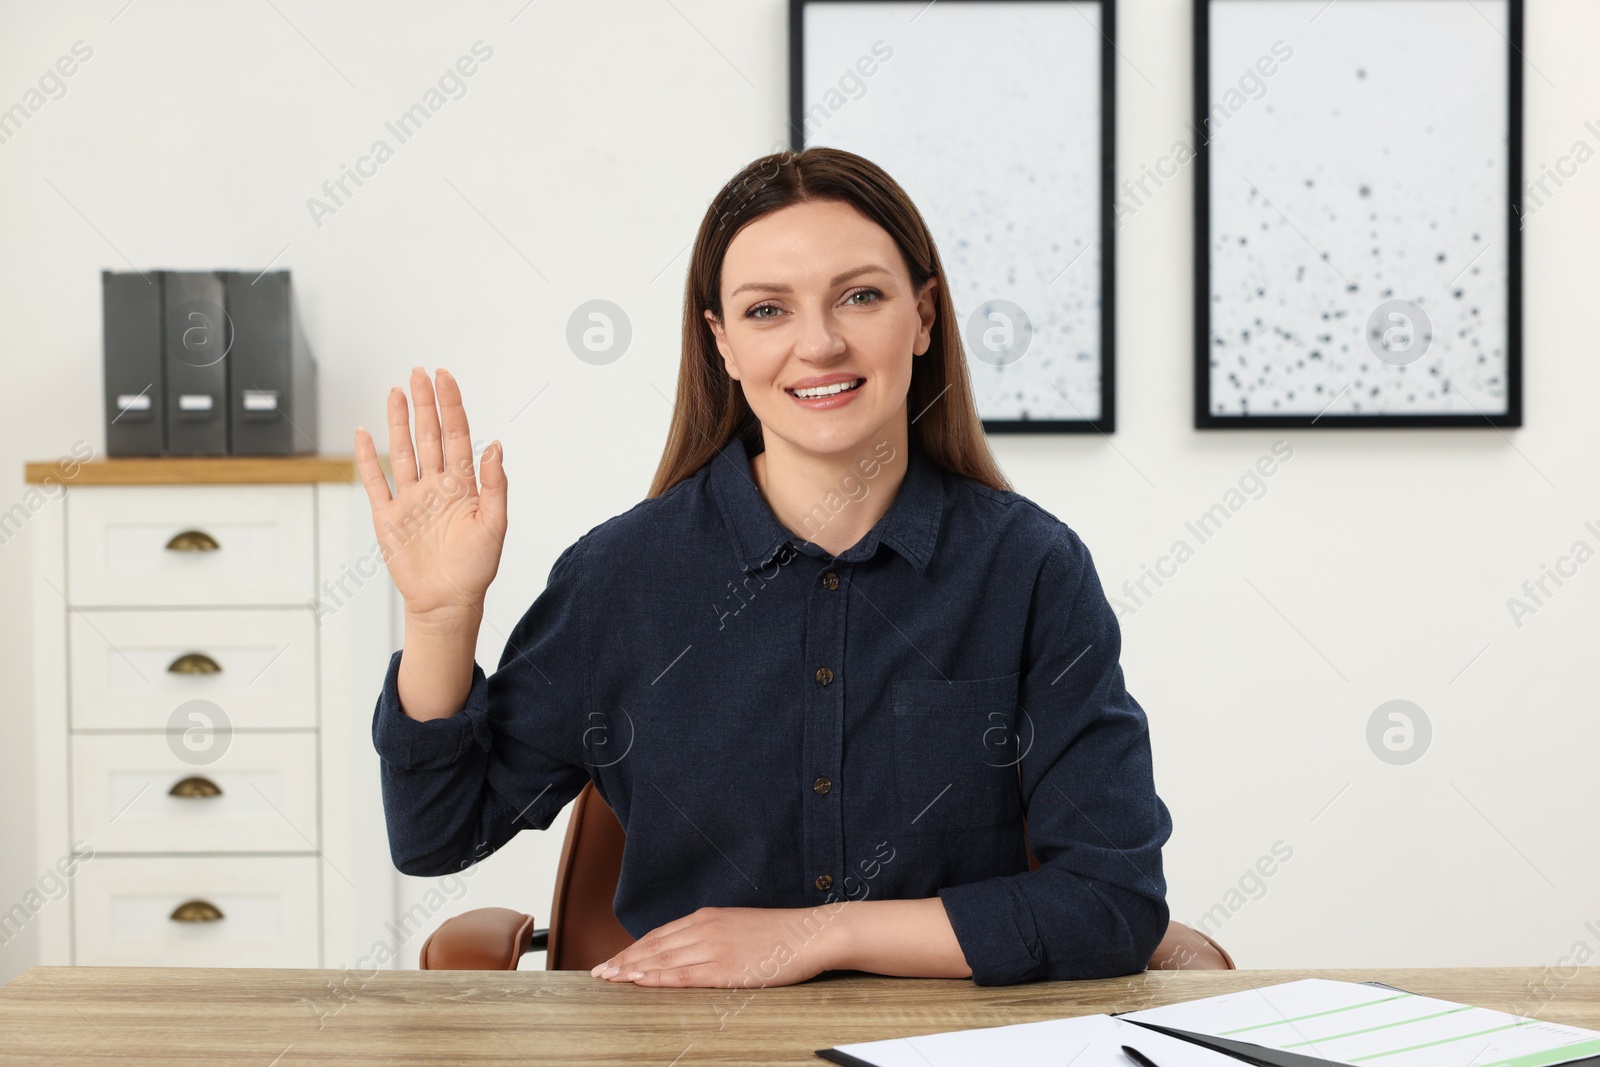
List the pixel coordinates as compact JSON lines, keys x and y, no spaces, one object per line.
{"x":1138,"y":1057}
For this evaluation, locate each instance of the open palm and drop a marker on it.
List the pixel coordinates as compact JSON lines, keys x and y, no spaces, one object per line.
{"x":440,"y":532}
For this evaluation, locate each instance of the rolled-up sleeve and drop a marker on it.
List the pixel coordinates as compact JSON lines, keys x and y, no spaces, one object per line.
{"x":458,"y":788}
{"x":1096,"y":906}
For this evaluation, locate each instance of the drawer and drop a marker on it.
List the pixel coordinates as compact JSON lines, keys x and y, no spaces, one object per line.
{"x":249,"y":545}
{"x":132,"y":669}
{"x":259,"y":912}
{"x":259,"y":795}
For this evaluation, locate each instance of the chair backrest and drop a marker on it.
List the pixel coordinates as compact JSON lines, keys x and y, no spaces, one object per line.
{"x":583,"y":925}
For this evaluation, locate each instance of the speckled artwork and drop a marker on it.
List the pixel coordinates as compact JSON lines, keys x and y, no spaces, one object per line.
{"x":1359,"y":171}
{"x":989,"y":115}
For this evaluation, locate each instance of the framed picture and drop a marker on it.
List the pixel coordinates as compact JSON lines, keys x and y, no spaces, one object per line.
{"x":1358,"y":252}
{"x":997,"y":118}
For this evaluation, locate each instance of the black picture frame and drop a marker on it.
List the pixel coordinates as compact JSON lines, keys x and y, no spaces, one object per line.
{"x":1204,"y":417}
{"x":1105,"y":423}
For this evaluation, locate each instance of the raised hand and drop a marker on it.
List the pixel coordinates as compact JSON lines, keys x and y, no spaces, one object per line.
{"x":440,"y":534}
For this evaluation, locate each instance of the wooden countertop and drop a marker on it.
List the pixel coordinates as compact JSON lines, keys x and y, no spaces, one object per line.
{"x":309,"y":468}
{"x":282,"y":1018}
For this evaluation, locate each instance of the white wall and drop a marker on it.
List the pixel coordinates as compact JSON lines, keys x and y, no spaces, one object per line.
{"x":1376,"y":567}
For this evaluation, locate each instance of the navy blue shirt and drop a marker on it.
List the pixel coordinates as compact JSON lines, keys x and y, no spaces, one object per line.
{"x":779,"y":727}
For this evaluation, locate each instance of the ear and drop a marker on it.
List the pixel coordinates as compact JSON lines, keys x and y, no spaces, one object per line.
{"x":723,"y":347}
{"x":927,"y":311}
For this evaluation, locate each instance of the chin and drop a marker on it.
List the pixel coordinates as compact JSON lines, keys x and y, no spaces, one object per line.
{"x":839,"y":440}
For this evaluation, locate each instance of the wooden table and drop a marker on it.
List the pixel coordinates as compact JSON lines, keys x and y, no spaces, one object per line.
{"x":280,"y":1018}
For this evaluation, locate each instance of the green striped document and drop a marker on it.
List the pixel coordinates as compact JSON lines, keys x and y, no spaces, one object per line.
{"x":1369,"y":1026}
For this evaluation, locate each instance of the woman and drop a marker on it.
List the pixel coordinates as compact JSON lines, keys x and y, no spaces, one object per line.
{"x":821,"y":674}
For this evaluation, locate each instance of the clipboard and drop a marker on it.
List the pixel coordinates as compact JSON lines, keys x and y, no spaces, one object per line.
{"x":1261,"y":1056}
{"x":1037,"y":1041}
{"x":1243,"y":1051}
{"x":1253,"y":1054}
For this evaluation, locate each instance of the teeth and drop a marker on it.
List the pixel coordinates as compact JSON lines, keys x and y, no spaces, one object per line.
{"x":825,"y":390}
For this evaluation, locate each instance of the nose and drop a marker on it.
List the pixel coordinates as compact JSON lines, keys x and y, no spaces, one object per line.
{"x":819,"y":339}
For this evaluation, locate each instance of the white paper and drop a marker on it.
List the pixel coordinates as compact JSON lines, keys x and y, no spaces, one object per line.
{"x":1372,"y":1026}
{"x":1084,"y":1041}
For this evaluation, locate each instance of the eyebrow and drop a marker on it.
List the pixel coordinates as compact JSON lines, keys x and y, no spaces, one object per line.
{"x":770,"y":287}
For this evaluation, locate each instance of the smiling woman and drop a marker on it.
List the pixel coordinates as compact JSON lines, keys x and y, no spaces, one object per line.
{"x":929,"y":668}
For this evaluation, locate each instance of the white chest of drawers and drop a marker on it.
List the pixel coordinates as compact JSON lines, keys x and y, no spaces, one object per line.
{"x":211,"y":636}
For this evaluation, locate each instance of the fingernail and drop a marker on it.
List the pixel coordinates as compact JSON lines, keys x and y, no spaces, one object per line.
{"x":634,"y":976}
{"x":612,"y":970}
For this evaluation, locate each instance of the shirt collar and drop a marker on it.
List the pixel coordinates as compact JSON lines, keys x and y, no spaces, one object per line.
{"x":910,"y":526}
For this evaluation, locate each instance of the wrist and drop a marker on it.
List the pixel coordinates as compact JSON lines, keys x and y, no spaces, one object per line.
{"x":451,"y":622}
{"x":839,"y":936}
{"x":909,"y":937}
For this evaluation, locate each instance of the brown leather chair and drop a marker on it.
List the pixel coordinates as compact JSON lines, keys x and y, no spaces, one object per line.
{"x":584,"y":930}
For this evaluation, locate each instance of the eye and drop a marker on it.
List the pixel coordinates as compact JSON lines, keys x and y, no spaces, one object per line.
{"x":850,"y":297}
{"x":752,"y":313}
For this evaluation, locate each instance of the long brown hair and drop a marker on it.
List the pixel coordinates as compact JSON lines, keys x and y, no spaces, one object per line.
{"x":711,"y":408}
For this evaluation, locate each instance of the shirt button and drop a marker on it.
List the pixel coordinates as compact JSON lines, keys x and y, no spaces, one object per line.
{"x":830,"y":580}
{"x":824,"y":881}
{"x":824,"y":675}
{"x":821,"y":786}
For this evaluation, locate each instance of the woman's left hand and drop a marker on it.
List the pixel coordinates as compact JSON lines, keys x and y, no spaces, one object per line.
{"x":729,"y":947}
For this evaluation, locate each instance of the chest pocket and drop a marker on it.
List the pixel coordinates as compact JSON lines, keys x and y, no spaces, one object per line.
{"x":955,"y":759}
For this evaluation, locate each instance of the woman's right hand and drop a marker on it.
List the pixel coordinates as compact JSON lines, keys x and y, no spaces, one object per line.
{"x":439,"y":533}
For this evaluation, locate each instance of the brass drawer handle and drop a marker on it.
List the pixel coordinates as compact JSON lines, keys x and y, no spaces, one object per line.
{"x":193,"y":541}
{"x":195,"y":787}
{"x":196,"y":911}
{"x":194,"y":663}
